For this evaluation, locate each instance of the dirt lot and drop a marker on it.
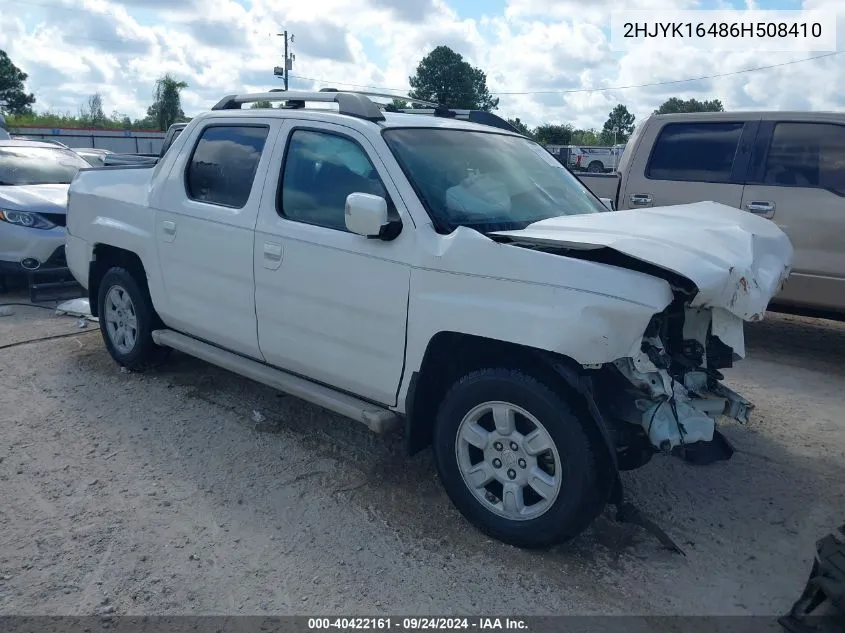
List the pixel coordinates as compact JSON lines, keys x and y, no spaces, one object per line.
{"x":159,"y":493}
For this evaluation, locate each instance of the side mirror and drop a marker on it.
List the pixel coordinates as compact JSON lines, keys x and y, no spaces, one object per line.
{"x":608,"y":203}
{"x":366,"y":214}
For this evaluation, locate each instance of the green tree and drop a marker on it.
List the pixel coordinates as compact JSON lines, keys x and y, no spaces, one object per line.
{"x":521,"y":127}
{"x":443,"y":76}
{"x":13,"y":97}
{"x":92,"y":113}
{"x":166,"y":108}
{"x":619,"y":126}
{"x":675,"y":105}
{"x":549,"y":134}
{"x":259,"y":104}
{"x":119,"y":120}
{"x":399,"y":104}
{"x":585,"y":137}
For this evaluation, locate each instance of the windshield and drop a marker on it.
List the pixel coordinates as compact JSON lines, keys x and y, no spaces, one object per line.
{"x":27,"y":165}
{"x":487,"y":181}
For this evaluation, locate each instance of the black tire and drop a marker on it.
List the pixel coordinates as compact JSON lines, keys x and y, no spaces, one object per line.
{"x":595,"y":167}
{"x":580,"y":499}
{"x":144,"y":353}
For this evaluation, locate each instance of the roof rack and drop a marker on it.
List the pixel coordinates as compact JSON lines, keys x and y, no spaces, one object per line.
{"x":347,"y":102}
{"x":482,"y":117}
{"x":385,"y":95}
{"x":358,"y":104}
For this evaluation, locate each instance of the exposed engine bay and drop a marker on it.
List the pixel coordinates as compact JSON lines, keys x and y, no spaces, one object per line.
{"x":670,"y":389}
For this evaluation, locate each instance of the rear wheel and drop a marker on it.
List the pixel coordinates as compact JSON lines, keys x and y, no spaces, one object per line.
{"x":515,"y":460}
{"x":595,"y":167}
{"x":127,"y":320}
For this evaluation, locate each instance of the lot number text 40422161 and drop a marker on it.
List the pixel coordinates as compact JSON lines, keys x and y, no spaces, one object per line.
{"x":417,"y":624}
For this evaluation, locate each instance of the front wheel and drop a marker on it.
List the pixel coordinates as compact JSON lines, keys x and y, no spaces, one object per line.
{"x":515,"y":460}
{"x":595,"y":167}
{"x":127,"y":320}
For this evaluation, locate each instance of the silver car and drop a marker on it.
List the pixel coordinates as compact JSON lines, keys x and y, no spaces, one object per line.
{"x":95,"y":157}
{"x":34,"y":179}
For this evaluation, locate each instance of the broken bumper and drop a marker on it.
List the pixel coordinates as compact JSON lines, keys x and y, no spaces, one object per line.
{"x":676,"y":388}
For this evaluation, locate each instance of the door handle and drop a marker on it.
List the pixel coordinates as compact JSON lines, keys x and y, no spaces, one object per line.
{"x":272,"y":255}
{"x":168,"y":230}
{"x":640,"y":199}
{"x":272,"y":251}
{"x":763,"y":208}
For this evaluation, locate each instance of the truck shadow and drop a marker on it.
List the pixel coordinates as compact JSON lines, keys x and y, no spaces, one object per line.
{"x":798,"y":341}
{"x":769,"y":499}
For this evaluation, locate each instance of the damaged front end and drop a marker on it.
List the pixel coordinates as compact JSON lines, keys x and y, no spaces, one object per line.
{"x":667,"y":394}
{"x":723,"y":267}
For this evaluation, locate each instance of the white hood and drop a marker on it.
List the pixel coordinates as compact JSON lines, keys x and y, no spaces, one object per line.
{"x":738,"y":261}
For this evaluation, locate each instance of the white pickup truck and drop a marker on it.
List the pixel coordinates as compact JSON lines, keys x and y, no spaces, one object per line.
{"x":420,"y":268}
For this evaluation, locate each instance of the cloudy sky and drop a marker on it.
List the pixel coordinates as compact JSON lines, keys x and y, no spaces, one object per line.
{"x":548,"y":60}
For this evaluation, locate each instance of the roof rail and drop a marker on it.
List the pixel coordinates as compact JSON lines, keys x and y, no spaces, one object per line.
{"x":348,"y":103}
{"x":386,"y":95}
{"x":358,"y":104}
{"x":482,"y":117}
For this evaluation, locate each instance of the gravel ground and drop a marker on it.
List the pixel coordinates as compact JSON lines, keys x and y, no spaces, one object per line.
{"x":159,"y":493}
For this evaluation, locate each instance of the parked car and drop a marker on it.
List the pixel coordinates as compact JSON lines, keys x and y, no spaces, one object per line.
{"x":93,"y":156}
{"x":786,"y":167}
{"x":595,"y":160}
{"x":49,"y":141}
{"x":34,"y":179}
{"x":4,"y":130}
{"x":427,"y":271}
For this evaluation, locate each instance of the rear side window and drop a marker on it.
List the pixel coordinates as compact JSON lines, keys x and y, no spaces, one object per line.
{"x":223,"y":164}
{"x":698,"y":152}
{"x":807,"y":155}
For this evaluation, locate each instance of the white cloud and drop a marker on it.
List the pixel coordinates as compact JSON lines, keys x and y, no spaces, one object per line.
{"x":73,"y":48}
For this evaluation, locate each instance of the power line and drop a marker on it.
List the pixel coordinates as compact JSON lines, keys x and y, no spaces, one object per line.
{"x":673,"y":81}
{"x":607,"y":89}
{"x":344,"y":83}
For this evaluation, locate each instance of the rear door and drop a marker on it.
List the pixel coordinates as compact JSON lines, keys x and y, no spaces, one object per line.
{"x":691,"y":161}
{"x":205,"y":230}
{"x":797,"y":179}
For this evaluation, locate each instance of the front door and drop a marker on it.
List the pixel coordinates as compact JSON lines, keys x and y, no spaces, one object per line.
{"x":801,"y":187}
{"x":331,"y":305}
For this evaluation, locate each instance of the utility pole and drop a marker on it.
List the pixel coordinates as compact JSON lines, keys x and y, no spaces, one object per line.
{"x":282,"y":71}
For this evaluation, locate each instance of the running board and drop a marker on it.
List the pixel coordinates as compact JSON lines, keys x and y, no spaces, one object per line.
{"x":376,"y":418}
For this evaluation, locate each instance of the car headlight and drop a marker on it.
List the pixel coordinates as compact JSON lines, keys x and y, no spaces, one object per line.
{"x":27,"y":219}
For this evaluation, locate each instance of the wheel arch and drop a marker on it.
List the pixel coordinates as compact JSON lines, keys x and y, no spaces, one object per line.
{"x":104,"y":257}
{"x":450,"y":355}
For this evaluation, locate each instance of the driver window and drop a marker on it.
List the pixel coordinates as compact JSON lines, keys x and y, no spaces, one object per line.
{"x":320,"y":170}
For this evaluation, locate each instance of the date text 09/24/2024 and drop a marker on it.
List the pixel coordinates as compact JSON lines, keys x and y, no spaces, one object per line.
{"x":416,"y":624}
